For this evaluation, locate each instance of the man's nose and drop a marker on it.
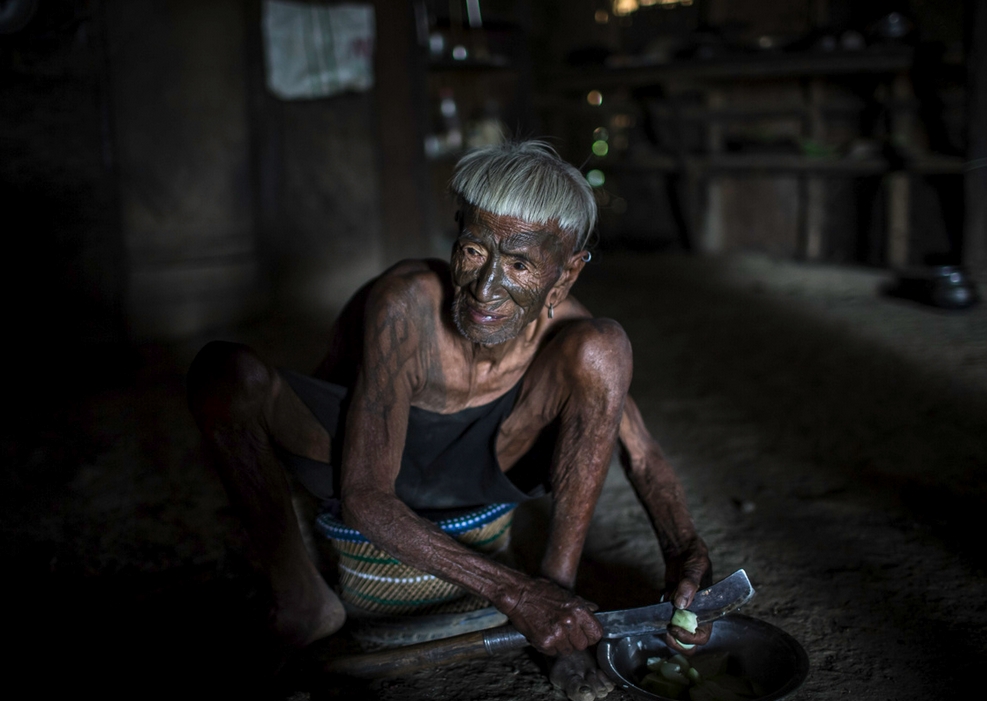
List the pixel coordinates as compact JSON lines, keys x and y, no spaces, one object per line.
{"x":488,"y":282}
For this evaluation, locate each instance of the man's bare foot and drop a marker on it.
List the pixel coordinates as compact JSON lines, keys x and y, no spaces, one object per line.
{"x":579,"y":677}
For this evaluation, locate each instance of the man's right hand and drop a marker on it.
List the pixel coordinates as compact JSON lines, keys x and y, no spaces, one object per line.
{"x":685,"y":574}
{"x":555,"y":621}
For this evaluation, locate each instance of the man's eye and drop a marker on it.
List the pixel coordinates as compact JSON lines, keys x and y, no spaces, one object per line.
{"x":520,"y":266}
{"x":472,"y":251}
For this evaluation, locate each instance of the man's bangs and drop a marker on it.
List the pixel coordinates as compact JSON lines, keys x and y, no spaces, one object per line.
{"x":530,"y":182}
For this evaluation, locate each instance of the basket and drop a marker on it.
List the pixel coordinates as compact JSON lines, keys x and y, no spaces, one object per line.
{"x":372,"y":581}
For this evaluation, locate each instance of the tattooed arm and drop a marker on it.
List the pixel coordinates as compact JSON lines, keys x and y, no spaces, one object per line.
{"x":396,"y":362}
{"x":687,"y":564}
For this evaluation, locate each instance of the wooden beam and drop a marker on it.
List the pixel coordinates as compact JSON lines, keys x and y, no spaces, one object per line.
{"x":740,"y":67}
{"x":899,"y":231}
{"x":400,"y":75}
{"x":815,"y":186}
{"x":975,"y":224}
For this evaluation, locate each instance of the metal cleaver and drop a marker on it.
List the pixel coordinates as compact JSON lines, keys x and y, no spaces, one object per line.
{"x":709,"y":604}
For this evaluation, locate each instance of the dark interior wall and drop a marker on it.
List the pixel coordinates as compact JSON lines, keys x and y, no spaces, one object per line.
{"x":153,"y":188}
{"x":324,"y":241}
{"x":180,"y":122}
{"x":63,"y":265}
{"x":233,"y":199}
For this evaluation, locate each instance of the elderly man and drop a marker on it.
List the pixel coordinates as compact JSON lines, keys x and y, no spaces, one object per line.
{"x":493,"y":336}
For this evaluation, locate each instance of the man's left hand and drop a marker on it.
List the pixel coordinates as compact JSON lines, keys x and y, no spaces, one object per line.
{"x":554,"y":620}
{"x":686,"y":572}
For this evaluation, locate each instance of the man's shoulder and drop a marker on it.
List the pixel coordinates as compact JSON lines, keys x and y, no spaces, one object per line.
{"x":418,"y":270}
{"x":419,"y":283}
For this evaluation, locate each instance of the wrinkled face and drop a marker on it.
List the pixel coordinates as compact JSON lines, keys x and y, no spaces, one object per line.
{"x":503,"y":269}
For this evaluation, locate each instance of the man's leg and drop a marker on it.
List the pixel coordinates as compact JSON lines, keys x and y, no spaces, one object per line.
{"x":579,"y":380}
{"x":242,"y":407}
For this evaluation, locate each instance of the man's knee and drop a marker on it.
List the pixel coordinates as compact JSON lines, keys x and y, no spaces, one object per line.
{"x":227,"y":382}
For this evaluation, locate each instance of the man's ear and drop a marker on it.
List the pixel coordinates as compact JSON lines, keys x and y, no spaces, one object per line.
{"x":570,"y":273}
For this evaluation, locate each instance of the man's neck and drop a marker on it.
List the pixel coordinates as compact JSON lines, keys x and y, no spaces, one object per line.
{"x":486,"y":358}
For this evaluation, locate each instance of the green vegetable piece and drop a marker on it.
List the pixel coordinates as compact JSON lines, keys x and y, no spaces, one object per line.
{"x":673,"y":673}
{"x":655,"y":663}
{"x":685,"y":619}
{"x":694,"y":676}
{"x":681,"y":661}
{"x":656,"y":684}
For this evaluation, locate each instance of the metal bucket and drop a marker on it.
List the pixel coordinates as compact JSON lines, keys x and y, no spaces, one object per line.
{"x":767,"y":655}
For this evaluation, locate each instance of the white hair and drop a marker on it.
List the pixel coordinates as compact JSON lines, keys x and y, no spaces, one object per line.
{"x":527,"y":180}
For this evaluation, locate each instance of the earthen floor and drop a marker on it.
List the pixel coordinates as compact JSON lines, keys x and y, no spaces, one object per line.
{"x":832,"y":442}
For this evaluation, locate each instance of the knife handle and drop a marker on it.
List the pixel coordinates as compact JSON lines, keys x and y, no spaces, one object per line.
{"x":399,"y":661}
{"x":503,"y":638}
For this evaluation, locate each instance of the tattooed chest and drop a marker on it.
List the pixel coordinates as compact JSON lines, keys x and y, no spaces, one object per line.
{"x":454,"y":389}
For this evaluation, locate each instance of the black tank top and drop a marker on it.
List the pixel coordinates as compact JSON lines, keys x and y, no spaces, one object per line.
{"x":449,"y":460}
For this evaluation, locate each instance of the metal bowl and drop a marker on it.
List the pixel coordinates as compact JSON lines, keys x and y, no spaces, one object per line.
{"x":767,"y":655}
{"x":944,"y":286}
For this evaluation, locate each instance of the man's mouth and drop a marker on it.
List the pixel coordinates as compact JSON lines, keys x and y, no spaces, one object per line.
{"x":481,"y":316}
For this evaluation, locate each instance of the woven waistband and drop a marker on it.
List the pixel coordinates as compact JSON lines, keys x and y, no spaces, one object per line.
{"x":335,"y":529}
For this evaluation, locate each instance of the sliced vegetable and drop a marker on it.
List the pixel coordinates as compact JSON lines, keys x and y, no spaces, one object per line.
{"x":702,"y":678}
{"x":685,"y":619}
{"x":681,"y":661}
{"x":657,"y":684}
{"x":655,"y":663}
{"x":673,"y":673}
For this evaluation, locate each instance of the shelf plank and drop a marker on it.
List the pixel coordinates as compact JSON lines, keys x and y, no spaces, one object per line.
{"x":466,"y":65}
{"x":742,"y":66}
{"x":781,"y":163}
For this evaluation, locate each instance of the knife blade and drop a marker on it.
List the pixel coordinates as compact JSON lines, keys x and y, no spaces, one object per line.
{"x":709,"y":604}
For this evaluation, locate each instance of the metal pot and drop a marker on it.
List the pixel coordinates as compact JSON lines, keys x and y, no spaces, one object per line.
{"x":767,"y":655}
{"x":944,"y":286}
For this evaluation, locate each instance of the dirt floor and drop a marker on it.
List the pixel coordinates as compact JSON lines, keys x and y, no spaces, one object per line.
{"x":832,"y":442}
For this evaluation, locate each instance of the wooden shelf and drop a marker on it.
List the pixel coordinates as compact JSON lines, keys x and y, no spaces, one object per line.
{"x":732,"y":114}
{"x":494,"y":63}
{"x":689,"y":115}
{"x":742,"y":66}
{"x":782,"y":163}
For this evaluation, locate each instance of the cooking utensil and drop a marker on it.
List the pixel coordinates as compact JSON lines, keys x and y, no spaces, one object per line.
{"x":767,"y":655}
{"x":709,"y":604}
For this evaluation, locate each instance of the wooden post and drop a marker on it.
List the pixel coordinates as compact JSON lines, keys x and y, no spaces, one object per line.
{"x":400,"y":77}
{"x":712,"y":231}
{"x":975,"y":221}
{"x":815,"y":186}
{"x":898,"y":229}
{"x":899,"y":204}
